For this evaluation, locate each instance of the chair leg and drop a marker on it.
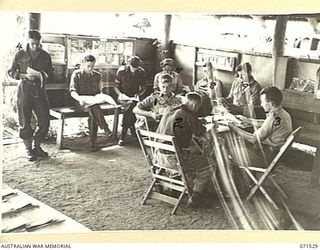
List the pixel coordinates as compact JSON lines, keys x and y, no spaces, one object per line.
{"x":178,"y":202}
{"x":148,"y":192}
{"x":258,"y":186}
{"x":60,"y":133}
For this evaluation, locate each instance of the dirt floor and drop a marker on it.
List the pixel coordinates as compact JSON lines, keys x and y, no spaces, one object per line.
{"x":103,"y":190}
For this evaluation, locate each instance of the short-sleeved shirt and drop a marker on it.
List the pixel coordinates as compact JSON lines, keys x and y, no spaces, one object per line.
{"x":176,"y":81}
{"x":276,"y":128}
{"x":243,"y":94}
{"x":180,"y":122}
{"x":212,"y":88}
{"x":156,"y":101}
{"x":85,"y":84}
{"x":128,"y":82}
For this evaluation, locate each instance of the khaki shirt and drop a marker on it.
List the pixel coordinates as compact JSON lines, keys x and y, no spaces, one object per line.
{"x":245,"y":94}
{"x":85,"y":84}
{"x":214,"y":88}
{"x":181,"y":123}
{"x":24,"y":59}
{"x":131,"y":83}
{"x":276,"y":128}
{"x":156,"y":101}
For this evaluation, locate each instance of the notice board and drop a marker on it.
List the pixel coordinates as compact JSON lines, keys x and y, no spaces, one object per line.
{"x":109,"y":52}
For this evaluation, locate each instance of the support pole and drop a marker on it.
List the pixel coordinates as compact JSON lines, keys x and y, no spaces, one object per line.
{"x":278,"y":47}
{"x":34,"y":21}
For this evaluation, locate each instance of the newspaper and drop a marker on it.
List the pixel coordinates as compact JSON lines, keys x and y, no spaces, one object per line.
{"x":35,"y":74}
{"x":98,"y":99}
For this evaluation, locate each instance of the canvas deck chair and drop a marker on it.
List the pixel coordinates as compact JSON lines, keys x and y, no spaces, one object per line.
{"x":150,"y":142}
{"x":258,"y":182}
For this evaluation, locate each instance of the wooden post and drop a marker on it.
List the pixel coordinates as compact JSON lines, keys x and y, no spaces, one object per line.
{"x":34,"y":21}
{"x":194,"y":75}
{"x":279,"y":63}
{"x":317,"y":86}
{"x":166,"y":32}
{"x":164,"y":49}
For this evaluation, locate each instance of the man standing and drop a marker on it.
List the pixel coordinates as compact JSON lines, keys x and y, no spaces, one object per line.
{"x":130,"y":81}
{"x":153,"y":106}
{"x":33,"y":67}
{"x":86,"y":81}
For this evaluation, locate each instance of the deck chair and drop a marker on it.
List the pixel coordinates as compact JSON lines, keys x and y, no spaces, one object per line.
{"x":266,"y":171}
{"x":150,"y":142}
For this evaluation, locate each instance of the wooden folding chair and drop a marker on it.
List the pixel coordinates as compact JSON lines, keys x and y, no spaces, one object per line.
{"x":150,"y":143}
{"x":266,"y":171}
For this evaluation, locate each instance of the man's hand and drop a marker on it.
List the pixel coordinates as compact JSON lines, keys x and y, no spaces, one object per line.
{"x":232,"y":126}
{"x":82,"y":102}
{"x":30,"y":77}
{"x":156,"y":116}
{"x":223,"y":102}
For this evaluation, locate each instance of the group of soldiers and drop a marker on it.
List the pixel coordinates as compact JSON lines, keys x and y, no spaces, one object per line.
{"x":171,"y":109}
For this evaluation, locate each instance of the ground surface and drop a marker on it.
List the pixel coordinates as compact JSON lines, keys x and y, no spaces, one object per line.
{"x":103,"y":190}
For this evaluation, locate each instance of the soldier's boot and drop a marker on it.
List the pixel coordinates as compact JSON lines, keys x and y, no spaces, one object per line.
{"x":29,"y":152}
{"x":38,"y":151}
{"x":123,"y":136}
{"x":133,"y":133}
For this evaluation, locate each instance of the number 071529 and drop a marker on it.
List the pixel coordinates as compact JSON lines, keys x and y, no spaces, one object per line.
{"x":309,"y":246}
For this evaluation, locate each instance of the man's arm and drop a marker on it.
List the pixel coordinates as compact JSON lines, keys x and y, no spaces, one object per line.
{"x":255,"y":96}
{"x":143,"y":108}
{"x":230,"y":95}
{"x":14,"y":71}
{"x":143,"y":86}
{"x":140,"y":111}
{"x":218,"y":89}
{"x":47,"y":71}
{"x":245,"y":135}
{"x":74,"y":88}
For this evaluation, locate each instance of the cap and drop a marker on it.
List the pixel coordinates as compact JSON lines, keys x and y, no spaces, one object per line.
{"x":167,"y":61}
{"x":135,"y":61}
{"x":34,"y":34}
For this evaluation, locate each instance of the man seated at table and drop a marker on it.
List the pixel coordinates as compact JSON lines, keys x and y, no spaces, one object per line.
{"x":152,"y":107}
{"x":131,"y":85}
{"x":181,"y":121}
{"x":244,"y":95}
{"x":210,"y":84}
{"x":265,"y":142}
{"x":167,"y":66}
{"x":86,"y":81}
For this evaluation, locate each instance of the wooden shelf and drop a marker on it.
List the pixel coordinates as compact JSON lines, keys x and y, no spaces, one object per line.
{"x":302,"y":101}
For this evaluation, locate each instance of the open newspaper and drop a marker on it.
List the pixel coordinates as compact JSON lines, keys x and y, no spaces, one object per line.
{"x":98,"y":99}
{"x":35,"y":74}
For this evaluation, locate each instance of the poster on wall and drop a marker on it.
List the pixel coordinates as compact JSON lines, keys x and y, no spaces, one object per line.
{"x":108,"y":52}
{"x":56,"y":51}
{"x":220,"y":60}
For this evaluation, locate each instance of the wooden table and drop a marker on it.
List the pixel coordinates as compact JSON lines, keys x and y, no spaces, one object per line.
{"x":36,"y":213}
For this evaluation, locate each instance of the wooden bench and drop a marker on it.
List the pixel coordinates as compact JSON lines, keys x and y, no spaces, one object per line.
{"x":69,"y":112}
